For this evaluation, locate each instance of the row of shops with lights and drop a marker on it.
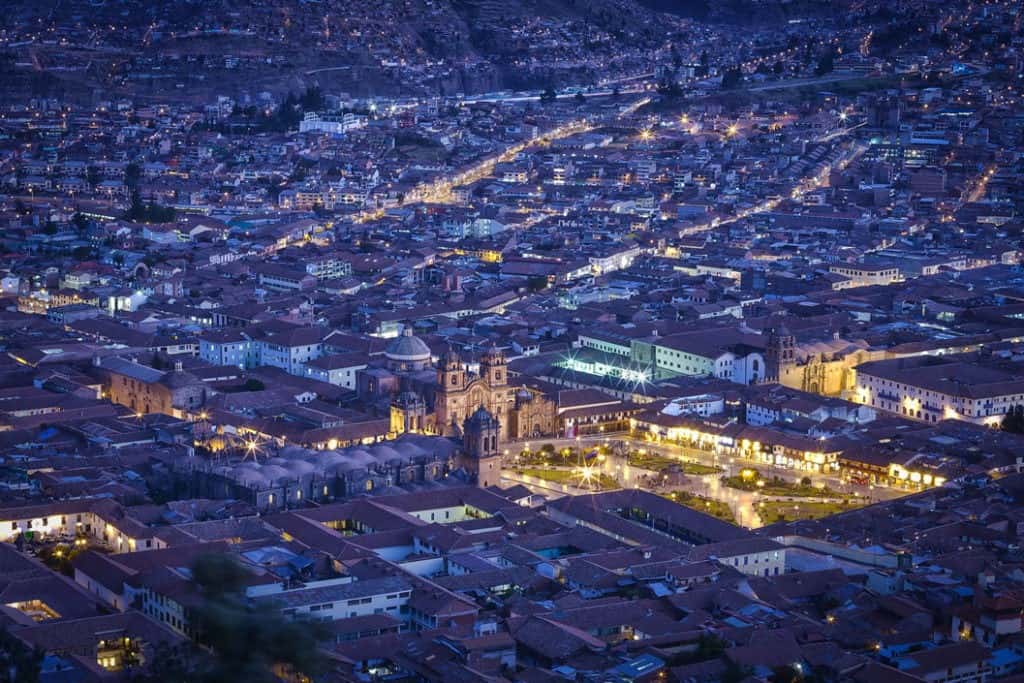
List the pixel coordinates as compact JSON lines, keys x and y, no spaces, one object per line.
{"x":734,"y":440}
{"x":760,"y":445}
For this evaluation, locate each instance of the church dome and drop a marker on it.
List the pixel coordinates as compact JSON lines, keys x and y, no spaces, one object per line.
{"x":481,"y":417}
{"x":408,"y":348}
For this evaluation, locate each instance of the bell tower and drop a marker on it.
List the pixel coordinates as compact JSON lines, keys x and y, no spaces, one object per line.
{"x":480,"y":444}
{"x":450,"y":374}
{"x":780,"y":352}
{"x":494,"y":367}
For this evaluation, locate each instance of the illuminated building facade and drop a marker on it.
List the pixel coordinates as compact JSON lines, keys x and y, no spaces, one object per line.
{"x":146,"y":390}
{"x":934,"y":388}
{"x":521,"y":413}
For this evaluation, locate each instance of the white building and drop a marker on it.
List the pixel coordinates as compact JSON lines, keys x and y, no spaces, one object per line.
{"x":865,"y":275}
{"x":342,"y":598}
{"x":333,"y":125}
{"x":616,"y":260}
{"x":752,"y":556}
{"x":337,"y":369}
{"x":933,"y":388}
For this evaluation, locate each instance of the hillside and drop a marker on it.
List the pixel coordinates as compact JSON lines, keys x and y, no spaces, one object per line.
{"x":141,"y":48}
{"x":198,"y":48}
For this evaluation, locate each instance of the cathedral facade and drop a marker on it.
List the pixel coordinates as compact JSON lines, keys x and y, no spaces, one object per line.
{"x":520,"y":412}
{"x":428,"y":398}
